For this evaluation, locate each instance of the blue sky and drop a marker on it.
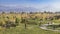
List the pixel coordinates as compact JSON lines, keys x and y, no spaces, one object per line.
{"x":52,"y":4}
{"x":25,"y":1}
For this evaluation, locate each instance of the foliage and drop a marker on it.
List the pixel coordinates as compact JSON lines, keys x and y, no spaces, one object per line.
{"x":17,"y":21}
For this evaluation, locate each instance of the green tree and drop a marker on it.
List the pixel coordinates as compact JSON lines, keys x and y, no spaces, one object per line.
{"x":17,"y":21}
{"x":25,"y":22}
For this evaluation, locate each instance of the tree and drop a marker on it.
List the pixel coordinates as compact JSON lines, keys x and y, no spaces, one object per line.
{"x":7,"y":17}
{"x":3,"y":12}
{"x":17,"y":21}
{"x":25,"y":22}
{"x":40,"y":23}
{"x":1,"y":23}
{"x":31,"y":12}
{"x":12,"y":12}
{"x":45,"y":12}
{"x":22,"y":12}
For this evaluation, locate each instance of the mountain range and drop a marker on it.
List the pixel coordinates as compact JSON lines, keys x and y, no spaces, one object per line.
{"x":17,"y":9}
{"x":26,"y":9}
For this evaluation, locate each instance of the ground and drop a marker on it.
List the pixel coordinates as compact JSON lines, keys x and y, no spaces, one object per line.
{"x":31,"y":29}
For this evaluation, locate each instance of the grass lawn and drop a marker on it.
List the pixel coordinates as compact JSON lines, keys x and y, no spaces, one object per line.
{"x":31,"y":29}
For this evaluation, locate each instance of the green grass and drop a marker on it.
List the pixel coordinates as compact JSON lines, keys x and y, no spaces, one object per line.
{"x":31,"y":29}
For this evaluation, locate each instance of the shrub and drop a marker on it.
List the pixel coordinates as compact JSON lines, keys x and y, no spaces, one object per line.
{"x":9,"y":24}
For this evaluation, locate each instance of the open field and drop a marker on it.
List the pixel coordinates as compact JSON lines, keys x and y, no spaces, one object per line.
{"x":32,"y":26}
{"x":31,"y":29}
{"x":29,"y":16}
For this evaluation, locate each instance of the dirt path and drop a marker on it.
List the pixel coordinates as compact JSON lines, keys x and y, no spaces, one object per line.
{"x":45,"y":28}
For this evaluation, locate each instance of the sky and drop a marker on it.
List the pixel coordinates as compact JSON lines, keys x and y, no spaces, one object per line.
{"x":39,"y":4}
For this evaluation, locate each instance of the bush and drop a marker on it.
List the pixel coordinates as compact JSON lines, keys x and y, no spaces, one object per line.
{"x":22,"y":20}
{"x":9,"y":24}
{"x":32,"y":22}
